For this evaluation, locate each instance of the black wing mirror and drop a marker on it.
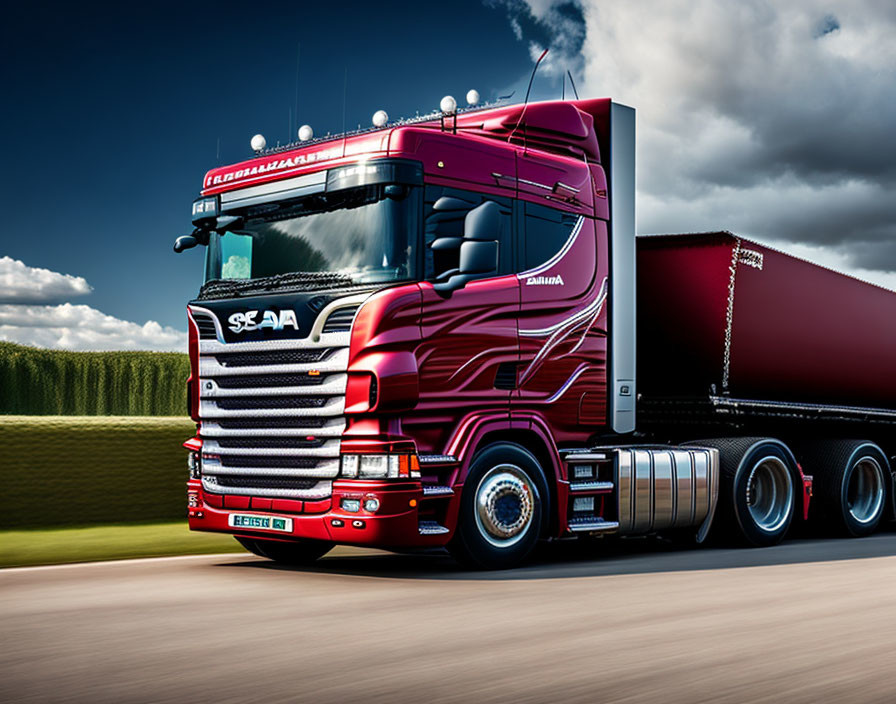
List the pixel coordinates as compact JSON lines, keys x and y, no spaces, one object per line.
{"x":478,"y":257}
{"x":185,"y":242}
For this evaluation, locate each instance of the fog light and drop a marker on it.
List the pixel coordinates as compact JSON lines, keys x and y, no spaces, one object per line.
{"x":193,"y":499}
{"x":351,"y":505}
{"x":193,"y":465}
{"x":371,"y":505}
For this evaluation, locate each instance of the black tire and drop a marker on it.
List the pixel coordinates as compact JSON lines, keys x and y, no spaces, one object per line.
{"x":302,"y":552}
{"x":754,"y":472}
{"x":850,"y":486}
{"x":509,"y":483}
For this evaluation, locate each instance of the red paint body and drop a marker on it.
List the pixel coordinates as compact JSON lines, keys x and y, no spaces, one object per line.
{"x":799,"y":332}
{"x":435,"y":358}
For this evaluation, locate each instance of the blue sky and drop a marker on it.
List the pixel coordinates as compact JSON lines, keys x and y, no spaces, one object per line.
{"x":772,"y":120}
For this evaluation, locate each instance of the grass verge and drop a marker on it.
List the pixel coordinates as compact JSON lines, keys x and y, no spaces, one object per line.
{"x":20,"y":548}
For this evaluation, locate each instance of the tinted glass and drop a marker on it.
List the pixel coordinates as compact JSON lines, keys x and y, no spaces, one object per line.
{"x":443,"y":216}
{"x":358,"y":233}
{"x":547,"y":230}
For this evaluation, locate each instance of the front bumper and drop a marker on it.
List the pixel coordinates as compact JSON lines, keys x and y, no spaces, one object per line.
{"x":395,"y":524}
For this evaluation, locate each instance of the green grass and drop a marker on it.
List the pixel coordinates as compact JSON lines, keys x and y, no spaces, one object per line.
{"x":19,"y":548}
{"x":88,"y":470}
{"x":38,"y":382}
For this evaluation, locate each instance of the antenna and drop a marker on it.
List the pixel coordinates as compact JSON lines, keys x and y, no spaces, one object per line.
{"x":563,"y":90}
{"x":526,"y":101}
{"x":344,"y":92}
{"x":573,"y":84}
{"x":298,"y":59}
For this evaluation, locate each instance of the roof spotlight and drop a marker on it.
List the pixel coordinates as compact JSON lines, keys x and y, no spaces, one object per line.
{"x":305,"y":133}
{"x":258,"y":142}
{"x":472,"y":97}
{"x":380,"y":118}
{"x":448,"y":105}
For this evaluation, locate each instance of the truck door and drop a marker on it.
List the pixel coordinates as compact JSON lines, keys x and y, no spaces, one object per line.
{"x":563,"y":318}
{"x":470,"y":343}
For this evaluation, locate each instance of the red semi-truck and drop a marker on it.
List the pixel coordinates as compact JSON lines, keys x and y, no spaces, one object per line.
{"x":444,"y":333}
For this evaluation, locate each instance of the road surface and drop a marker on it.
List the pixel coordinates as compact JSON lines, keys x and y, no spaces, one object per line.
{"x":808,"y":621}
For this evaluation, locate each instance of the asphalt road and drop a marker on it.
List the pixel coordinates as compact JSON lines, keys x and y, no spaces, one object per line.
{"x":808,"y":621}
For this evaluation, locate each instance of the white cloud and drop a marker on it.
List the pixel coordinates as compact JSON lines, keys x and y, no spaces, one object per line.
{"x":80,"y":327}
{"x":773,"y":120}
{"x":20,"y":283}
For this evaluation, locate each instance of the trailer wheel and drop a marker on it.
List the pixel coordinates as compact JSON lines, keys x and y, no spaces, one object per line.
{"x":756,"y":494}
{"x":302,"y":552}
{"x":501,"y":509}
{"x":850,"y":485}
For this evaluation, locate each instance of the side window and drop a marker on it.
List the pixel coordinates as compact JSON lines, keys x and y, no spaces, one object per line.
{"x":547,"y":230}
{"x":444,"y":212}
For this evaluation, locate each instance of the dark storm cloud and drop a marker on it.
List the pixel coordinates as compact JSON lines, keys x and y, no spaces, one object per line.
{"x":775,"y":120}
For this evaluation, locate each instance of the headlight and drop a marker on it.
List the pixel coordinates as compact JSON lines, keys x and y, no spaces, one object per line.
{"x":381,"y":466}
{"x":193,"y":465}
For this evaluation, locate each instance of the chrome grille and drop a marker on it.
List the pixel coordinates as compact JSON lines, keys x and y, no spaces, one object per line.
{"x":272,"y":412}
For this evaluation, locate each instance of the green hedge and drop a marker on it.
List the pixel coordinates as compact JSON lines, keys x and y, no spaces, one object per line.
{"x":53,"y":382}
{"x":90,"y":470}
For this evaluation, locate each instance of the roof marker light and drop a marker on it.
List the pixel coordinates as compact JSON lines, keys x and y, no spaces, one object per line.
{"x":380,"y":118}
{"x":258,"y":142}
{"x":472,"y":97}
{"x":305,"y":133}
{"x":448,"y":105}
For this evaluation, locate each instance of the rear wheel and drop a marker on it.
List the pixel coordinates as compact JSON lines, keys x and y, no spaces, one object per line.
{"x":502,"y":510}
{"x":302,"y":552}
{"x":850,"y":485}
{"x":756,"y":495}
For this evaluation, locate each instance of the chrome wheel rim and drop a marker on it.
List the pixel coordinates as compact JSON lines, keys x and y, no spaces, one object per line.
{"x":770,"y":494}
{"x":865,"y":490}
{"x":505,"y":505}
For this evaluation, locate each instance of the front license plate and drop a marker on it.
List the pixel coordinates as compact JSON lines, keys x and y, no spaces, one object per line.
{"x":246,"y":520}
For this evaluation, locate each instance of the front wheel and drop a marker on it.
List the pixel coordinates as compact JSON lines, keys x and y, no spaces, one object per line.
{"x":302,"y":552}
{"x":502,"y":508}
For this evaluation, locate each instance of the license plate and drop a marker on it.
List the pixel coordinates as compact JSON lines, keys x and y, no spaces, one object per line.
{"x":253,"y":522}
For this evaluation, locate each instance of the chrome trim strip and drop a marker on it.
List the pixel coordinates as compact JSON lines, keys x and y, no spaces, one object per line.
{"x":334,"y":385}
{"x":206,"y":312}
{"x":288,"y":188}
{"x":335,"y":362}
{"x":321,"y":490}
{"x":431,"y":528}
{"x":331,"y":339}
{"x":437,"y":459}
{"x":438,"y":491}
{"x":569,"y":382}
{"x":590,"y":486}
{"x":333,"y":429}
{"x":328,"y":468}
{"x":590,"y":525}
{"x":334,"y":407}
{"x":330,"y":448}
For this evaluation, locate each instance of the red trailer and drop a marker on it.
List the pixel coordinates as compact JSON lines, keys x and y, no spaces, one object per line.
{"x":439,"y":333}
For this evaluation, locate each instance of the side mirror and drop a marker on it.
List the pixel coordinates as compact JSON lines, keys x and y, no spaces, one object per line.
{"x":478,"y":257}
{"x":185,"y":242}
{"x":445,"y":256}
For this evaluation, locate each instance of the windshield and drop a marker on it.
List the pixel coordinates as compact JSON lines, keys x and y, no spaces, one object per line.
{"x":367,"y":234}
